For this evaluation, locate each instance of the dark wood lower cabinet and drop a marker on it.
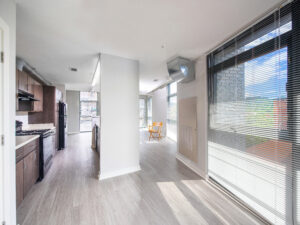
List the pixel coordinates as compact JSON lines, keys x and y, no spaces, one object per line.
{"x":30,"y":171}
{"x":27,"y":169}
{"x":19,"y":181}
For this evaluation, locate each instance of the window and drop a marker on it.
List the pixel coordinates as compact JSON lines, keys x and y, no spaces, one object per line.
{"x":149,"y":111}
{"x":172,"y":111}
{"x":250,"y":147}
{"x":88,"y":110}
{"x":143,"y":111}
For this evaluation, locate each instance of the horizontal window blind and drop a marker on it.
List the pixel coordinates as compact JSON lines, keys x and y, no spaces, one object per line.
{"x":254,"y":116}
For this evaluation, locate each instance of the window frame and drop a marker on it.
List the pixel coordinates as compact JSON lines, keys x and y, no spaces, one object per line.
{"x":277,"y":43}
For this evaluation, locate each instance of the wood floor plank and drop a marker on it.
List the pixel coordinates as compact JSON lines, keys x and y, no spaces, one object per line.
{"x":164,"y":192}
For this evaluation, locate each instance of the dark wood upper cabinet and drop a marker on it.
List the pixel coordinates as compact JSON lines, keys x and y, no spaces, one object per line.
{"x":27,"y":83}
{"x":31,"y":83}
{"x":38,"y":94}
{"x":23,"y":81}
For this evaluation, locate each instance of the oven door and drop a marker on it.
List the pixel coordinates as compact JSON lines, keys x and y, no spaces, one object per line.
{"x":48,"y":150}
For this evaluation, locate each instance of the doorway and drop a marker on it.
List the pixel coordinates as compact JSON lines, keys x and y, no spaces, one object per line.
{"x":88,"y":110}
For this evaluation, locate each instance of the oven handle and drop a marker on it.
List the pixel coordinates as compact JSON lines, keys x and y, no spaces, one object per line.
{"x":48,"y":134}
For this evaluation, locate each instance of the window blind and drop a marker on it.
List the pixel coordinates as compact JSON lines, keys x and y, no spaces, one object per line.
{"x":254,"y":116}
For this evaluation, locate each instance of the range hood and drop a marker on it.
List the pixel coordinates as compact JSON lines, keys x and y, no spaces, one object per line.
{"x":181,"y":70}
{"x":25,"y":96}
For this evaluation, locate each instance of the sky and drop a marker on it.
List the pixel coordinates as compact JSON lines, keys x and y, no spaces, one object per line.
{"x":266,"y":76}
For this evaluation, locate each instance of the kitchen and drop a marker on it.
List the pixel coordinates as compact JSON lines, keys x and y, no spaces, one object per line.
{"x":40,"y":127}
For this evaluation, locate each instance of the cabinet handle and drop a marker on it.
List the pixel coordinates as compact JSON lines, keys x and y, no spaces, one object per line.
{"x":24,"y":164}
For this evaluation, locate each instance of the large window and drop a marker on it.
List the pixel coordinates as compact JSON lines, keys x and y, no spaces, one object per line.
{"x":143,"y":112}
{"x":88,"y":110}
{"x":172,"y":111}
{"x":250,"y":138}
{"x":149,"y":110}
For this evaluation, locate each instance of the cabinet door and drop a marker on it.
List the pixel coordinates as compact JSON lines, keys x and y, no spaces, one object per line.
{"x":19,"y":181}
{"x":23,"y":81}
{"x":29,"y":171}
{"x":36,"y":170}
{"x":31,"y":83}
{"x":38,"y":94}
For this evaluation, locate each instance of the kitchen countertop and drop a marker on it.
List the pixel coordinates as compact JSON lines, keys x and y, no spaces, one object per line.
{"x":39,"y":126}
{"x":23,"y":140}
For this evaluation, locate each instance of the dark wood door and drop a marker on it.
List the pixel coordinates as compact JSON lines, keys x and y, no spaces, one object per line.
{"x":19,"y":182}
{"x":36,"y":165}
{"x":29,"y":171}
{"x":23,"y":81}
{"x":38,"y":94}
{"x":31,"y":83}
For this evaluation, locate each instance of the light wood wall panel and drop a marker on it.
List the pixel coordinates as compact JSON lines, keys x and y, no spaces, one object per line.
{"x":187,"y":132}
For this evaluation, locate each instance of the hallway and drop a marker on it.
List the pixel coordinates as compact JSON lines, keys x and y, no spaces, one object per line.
{"x":163,"y":192}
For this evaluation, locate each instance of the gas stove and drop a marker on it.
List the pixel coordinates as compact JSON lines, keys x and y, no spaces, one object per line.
{"x":46,"y":148}
{"x":33,"y":132}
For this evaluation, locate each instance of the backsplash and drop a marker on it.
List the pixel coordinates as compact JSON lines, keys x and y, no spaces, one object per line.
{"x":23,"y":117}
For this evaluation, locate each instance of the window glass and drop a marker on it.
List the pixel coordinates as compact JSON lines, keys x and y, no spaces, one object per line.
{"x":88,"y":110}
{"x":172,"y":112}
{"x":172,"y":88}
{"x":142,"y":112}
{"x":88,"y":96}
{"x":149,"y":110}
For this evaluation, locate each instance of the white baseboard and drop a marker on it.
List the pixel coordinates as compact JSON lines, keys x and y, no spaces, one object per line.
{"x":124,"y":171}
{"x":191,"y":165}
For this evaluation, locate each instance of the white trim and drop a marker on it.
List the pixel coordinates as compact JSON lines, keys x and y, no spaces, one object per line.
{"x":125,"y":171}
{"x":7,"y":181}
{"x":191,"y":165}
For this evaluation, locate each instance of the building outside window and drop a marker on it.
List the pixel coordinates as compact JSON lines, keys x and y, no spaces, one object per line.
{"x":149,"y":110}
{"x":172,"y":112}
{"x":143,"y":112}
{"x":88,"y":110}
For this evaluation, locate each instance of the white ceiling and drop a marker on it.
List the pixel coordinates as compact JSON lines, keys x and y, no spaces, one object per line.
{"x":54,"y":35}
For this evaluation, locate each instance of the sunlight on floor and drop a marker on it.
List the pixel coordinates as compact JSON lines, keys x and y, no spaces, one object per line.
{"x":181,"y":207}
{"x":191,"y":186}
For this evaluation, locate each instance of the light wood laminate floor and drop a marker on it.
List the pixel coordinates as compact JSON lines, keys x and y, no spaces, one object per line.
{"x":163,"y":192}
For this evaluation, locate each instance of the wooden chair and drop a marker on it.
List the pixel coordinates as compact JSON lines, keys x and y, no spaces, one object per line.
{"x":155,"y":128}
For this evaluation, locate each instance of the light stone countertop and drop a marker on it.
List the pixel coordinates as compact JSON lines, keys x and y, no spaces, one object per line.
{"x":39,"y":126}
{"x":23,"y":140}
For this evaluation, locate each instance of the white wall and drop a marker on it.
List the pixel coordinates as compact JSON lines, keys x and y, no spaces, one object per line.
{"x":198,"y":88}
{"x":119,"y":86}
{"x":22,"y":116}
{"x":160,"y":107}
{"x":8,"y":14}
{"x":72,"y":99}
{"x":62,"y":88}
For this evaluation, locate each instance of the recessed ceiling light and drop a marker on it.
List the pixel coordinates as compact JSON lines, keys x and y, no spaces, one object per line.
{"x":73,"y":69}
